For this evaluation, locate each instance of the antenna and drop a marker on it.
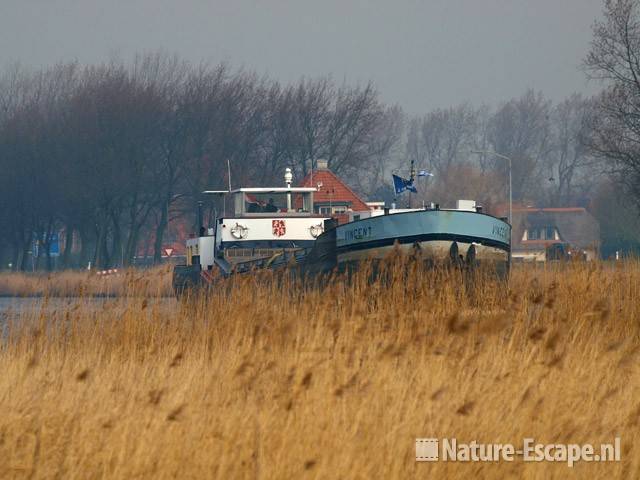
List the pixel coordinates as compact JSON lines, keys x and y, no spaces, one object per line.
{"x":229,"y":173}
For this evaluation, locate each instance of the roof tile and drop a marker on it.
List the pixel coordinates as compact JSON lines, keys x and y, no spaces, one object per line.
{"x":333,"y":190}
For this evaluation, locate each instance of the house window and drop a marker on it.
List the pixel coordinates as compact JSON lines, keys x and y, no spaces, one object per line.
{"x":333,"y":209}
{"x":542,"y":233}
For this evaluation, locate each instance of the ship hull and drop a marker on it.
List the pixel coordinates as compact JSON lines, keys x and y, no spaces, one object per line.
{"x":435,"y":235}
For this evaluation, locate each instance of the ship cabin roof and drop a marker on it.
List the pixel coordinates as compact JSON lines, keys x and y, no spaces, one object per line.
{"x":275,"y":190}
{"x":271,"y":201}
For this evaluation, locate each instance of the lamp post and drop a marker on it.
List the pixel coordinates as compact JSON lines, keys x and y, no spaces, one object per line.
{"x":508,"y":159}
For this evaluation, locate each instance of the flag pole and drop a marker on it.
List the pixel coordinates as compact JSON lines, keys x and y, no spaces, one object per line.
{"x":412,"y":176}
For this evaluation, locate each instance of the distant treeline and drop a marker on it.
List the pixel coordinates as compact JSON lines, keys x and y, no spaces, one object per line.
{"x":107,"y":151}
{"x":109,"y":154}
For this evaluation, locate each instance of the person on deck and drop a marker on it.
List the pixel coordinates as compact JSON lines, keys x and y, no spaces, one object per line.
{"x":270,"y":207}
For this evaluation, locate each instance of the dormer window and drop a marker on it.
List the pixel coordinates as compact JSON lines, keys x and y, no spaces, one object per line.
{"x":550,"y":233}
{"x":332,"y":210}
{"x":541,"y":233}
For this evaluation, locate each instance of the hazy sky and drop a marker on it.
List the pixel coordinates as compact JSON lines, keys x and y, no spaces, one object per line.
{"x":421,"y":54}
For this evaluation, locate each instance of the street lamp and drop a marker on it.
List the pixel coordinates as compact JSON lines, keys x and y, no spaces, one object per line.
{"x":504,"y":157}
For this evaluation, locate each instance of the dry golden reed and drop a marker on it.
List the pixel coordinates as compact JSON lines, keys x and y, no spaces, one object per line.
{"x":151,"y":283}
{"x":262,"y":378}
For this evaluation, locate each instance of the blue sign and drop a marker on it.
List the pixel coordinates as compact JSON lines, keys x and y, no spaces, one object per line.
{"x":54,"y":246}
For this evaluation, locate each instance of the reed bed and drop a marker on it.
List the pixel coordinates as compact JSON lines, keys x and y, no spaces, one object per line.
{"x":77,"y":283}
{"x":269,"y":379}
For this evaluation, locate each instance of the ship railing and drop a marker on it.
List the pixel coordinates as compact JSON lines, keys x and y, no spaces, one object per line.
{"x":277,"y":260}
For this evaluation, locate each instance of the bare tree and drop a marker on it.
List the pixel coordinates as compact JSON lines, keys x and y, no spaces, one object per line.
{"x":447,"y":136}
{"x":383,"y":152}
{"x":569,"y":160}
{"x":520,"y":129}
{"x":614,"y":58}
{"x":312,"y":104}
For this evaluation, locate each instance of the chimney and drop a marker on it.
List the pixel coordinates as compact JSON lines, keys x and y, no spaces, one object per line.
{"x":322,"y":164}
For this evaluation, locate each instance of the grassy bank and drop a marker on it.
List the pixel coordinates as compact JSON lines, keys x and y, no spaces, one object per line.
{"x":79,"y":283}
{"x":268,"y":381}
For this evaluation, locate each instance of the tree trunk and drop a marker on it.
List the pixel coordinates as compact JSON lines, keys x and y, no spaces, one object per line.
{"x":24,"y":256}
{"x":117,"y":251}
{"x":68,"y":245}
{"x":132,"y":244}
{"x":84,"y":246}
{"x":16,"y":256}
{"x":46,"y":243}
{"x":105,"y":261}
{"x":160,"y":228}
{"x":101,"y":258}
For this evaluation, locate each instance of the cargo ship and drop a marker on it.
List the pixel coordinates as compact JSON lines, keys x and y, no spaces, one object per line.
{"x":278,"y":227}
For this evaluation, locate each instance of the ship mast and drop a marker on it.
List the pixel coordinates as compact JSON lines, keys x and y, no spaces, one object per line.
{"x":412,"y":176}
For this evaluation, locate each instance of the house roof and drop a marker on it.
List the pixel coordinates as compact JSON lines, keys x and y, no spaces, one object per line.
{"x":333,"y":190}
{"x":575,"y":226}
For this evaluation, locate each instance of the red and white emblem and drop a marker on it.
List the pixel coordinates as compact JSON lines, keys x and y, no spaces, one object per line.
{"x":278,"y":228}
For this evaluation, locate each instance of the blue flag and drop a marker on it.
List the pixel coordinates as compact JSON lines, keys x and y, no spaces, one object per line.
{"x":401,"y":184}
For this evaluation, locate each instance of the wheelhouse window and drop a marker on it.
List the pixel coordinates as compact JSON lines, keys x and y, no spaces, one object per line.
{"x":273,"y":203}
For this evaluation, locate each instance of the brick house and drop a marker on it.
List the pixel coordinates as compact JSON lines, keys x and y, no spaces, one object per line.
{"x":334,"y":197}
{"x":534,"y":229}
